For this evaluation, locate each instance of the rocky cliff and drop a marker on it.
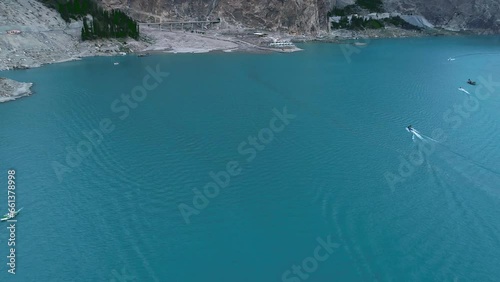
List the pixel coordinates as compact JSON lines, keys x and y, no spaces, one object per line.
{"x":309,"y":16}
{"x":293,"y":16}
{"x":478,"y":15}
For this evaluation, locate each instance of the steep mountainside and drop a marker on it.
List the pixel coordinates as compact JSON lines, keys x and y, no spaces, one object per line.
{"x":453,"y":14}
{"x":288,"y":15}
{"x":309,"y":16}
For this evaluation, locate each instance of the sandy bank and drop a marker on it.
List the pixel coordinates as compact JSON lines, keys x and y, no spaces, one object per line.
{"x":184,"y":42}
{"x":11,"y":90}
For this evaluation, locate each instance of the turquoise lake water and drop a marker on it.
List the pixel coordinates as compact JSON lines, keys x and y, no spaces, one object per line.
{"x":310,"y":187}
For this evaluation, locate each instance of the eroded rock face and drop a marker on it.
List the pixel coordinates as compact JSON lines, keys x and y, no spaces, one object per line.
{"x":343,"y":3}
{"x":294,"y":16}
{"x":309,"y":16}
{"x":453,"y":14}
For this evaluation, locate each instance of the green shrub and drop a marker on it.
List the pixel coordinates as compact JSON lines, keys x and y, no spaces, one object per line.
{"x":371,"y":5}
{"x":373,"y":24}
{"x":357,"y":23}
{"x":346,"y":11}
{"x":105,"y":24}
{"x":399,"y":22}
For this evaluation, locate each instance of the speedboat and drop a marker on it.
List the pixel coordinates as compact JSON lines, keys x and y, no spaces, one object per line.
{"x":409,"y":128}
{"x":471,"y":82}
{"x":360,"y":43}
{"x":9,"y":215}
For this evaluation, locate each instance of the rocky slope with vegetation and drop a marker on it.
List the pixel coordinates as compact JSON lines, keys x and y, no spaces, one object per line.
{"x":309,"y":16}
{"x":480,"y":16}
{"x":43,"y":36}
{"x":476,"y":16}
{"x":294,"y":16}
{"x":32,"y":34}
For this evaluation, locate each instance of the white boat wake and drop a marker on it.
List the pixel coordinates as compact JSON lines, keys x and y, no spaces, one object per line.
{"x":416,"y":133}
{"x":463,"y":90}
{"x":426,"y":138}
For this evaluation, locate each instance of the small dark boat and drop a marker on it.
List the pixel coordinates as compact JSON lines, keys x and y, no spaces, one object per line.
{"x":471,"y":82}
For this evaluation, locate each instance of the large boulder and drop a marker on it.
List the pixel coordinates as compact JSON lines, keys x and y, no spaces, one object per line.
{"x":11,"y":89}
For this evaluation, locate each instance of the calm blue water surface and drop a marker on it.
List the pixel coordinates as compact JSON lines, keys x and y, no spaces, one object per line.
{"x":113,"y":215}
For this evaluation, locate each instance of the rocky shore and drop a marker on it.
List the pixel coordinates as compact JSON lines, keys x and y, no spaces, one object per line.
{"x":42,"y":37}
{"x":11,"y":90}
